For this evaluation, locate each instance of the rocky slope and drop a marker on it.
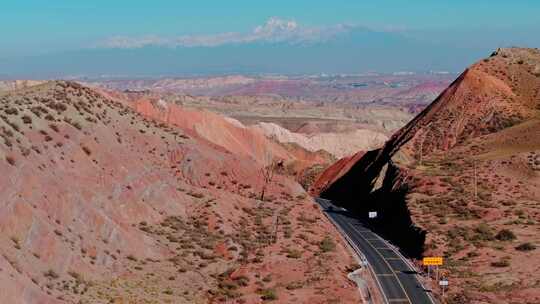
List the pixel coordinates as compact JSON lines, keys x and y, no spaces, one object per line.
{"x":102,"y":204}
{"x":462,"y":181}
{"x":222,"y":131}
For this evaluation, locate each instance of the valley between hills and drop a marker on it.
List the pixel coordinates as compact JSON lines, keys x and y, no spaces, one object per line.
{"x":202,"y":190}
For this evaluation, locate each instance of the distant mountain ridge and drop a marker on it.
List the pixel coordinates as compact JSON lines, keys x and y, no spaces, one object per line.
{"x":352,"y":51}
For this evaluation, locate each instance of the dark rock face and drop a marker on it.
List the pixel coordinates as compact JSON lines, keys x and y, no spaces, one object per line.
{"x":483,"y":100}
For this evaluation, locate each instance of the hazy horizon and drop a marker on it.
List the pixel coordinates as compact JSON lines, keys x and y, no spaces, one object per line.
{"x":181,"y":39}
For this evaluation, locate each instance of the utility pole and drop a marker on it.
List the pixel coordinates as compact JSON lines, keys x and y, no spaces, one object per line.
{"x":276,"y":229}
{"x":512,"y":78}
{"x":422,"y":142}
{"x":475,"y":182}
{"x":421,"y":150}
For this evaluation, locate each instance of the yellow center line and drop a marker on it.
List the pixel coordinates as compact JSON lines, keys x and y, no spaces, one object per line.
{"x":388,"y":264}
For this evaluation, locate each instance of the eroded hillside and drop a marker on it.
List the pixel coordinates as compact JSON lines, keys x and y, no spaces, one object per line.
{"x":462,"y":181}
{"x":102,"y":204}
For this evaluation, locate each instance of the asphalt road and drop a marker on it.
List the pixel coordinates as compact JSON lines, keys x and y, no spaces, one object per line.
{"x":395,"y":277}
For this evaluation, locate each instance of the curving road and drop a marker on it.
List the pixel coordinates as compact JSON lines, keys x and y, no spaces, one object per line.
{"x":395,"y":277}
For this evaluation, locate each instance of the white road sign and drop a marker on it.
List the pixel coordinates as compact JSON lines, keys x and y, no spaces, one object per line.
{"x":372,"y":214}
{"x":443,"y":283}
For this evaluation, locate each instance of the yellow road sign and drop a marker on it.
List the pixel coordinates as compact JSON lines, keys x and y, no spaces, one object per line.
{"x":432,"y":261}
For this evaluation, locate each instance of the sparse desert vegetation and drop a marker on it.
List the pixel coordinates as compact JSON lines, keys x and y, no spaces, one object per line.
{"x":465,"y":174}
{"x":153,"y":216}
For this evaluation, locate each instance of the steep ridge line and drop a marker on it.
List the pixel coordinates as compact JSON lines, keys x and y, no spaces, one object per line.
{"x":458,"y":175}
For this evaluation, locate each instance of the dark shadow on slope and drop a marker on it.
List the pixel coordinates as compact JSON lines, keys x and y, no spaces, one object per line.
{"x":393,"y":220}
{"x":354,"y":190}
{"x":357,"y":182}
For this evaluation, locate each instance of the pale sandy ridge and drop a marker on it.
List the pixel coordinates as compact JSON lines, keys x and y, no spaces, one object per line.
{"x":338,"y":144}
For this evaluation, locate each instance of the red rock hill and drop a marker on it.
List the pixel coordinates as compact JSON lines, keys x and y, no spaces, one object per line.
{"x":102,"y":204}
{"x":462,"y":180}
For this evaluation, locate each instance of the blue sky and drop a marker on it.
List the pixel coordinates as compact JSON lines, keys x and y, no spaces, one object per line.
{"x":36,"y":27}
{"x":32,"y":26}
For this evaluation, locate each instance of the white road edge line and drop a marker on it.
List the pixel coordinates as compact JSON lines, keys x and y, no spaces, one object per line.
{"x":410,"y":265}
{"x":359,"y":253}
